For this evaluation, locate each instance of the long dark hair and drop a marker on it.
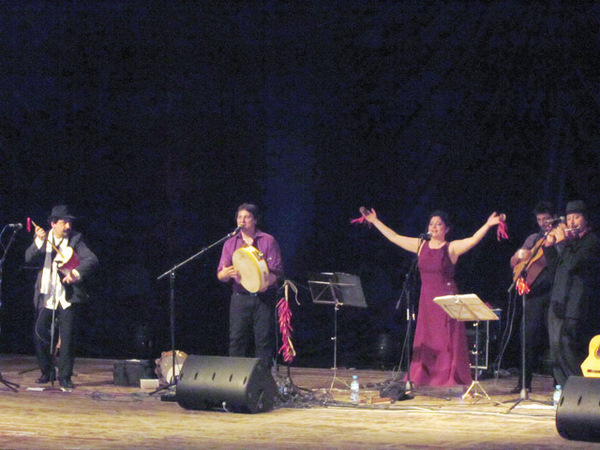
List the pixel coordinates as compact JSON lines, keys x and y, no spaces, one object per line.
{"x":442,"y":215}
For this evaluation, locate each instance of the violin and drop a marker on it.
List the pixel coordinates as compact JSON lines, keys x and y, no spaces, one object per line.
{"x":563,"y":232}
{"x":66,"y":259}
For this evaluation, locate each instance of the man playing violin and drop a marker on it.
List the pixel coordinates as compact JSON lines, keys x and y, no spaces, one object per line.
{"x":251,"y":313}
{"x":59,"y":291}
{"x":574,"y":315}
{"x":539,"y":277}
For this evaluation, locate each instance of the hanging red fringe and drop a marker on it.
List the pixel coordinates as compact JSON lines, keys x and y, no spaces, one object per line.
{"x":502,"y":229}
{"x":364,"y":211}
{"x":522,"y":287}
{"x":360,"y":220}
{"x":285,"y":326}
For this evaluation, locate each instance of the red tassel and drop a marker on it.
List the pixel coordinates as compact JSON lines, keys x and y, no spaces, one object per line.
{"x":522,"y":287}
{"x":360,"y":220}
{"x":502,"y":230}
{"x":285,"y":327}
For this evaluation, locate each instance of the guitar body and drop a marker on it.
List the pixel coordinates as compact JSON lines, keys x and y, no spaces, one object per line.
{"x":591,"y":366}
{"x":534,"y":266}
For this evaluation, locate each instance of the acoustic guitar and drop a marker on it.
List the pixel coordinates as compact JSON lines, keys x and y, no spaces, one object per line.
{"x":533,"y":266}
{"x":591,"y":366}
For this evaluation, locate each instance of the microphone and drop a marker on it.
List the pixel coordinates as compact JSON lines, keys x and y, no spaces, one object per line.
{"x":425,"y":236}
{"x":234,"y":232}
{"x":15,"y":226}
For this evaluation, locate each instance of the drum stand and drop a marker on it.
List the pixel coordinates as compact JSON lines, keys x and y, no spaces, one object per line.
{"x":171,"y":272}
{"x":10,"y":385}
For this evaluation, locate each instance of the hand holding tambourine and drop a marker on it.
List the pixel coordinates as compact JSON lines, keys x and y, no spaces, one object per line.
{"x":230,"y":273}
{"x":252,"y":269}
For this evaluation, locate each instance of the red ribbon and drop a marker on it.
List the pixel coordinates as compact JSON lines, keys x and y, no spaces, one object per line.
{"x":360,"y":220}
{"x":285,"y":327}
{"x":501,"y":232}
{"x":522,"y":287}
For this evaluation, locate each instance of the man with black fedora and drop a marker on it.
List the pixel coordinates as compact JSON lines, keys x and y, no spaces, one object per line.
{"x":574,"y":315}
{"x":66,"y":263}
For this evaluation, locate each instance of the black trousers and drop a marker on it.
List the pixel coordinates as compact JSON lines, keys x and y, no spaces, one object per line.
{"x":536,"y":334}
{"x":251,"y":322}
{"x":568,"y":348}
{"x":65,"y":327}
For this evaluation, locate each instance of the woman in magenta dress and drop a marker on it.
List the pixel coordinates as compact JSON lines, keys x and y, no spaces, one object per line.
{"x":440,"y":353}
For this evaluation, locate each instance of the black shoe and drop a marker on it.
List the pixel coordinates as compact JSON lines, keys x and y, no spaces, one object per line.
{"x":66,"y":383}
{"x":45,"y":378}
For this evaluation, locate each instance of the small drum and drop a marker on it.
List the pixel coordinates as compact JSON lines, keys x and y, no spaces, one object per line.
{"x":67,"y":261}
{"x":252,"y":267}
{"x":164,"y":366}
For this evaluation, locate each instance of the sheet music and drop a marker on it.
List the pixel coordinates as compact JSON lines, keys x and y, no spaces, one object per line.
{"x":466,"y":307}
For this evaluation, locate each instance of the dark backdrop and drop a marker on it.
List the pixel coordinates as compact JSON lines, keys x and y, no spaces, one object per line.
{"x":156,"y":119}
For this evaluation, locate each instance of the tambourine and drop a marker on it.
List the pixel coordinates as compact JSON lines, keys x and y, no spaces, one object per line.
{"x":164,"y":366}
{"x":252,"y":267}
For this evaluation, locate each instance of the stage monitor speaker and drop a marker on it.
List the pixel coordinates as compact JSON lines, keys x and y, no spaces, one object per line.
{"x":578,"y":413}
{"x":238,"y":384}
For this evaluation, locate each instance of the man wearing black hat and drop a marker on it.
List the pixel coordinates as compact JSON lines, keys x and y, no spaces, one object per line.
{"x":59,"y":291}
{"x":573,"y":318}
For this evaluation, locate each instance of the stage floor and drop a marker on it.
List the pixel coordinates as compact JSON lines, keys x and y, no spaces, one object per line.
{"x":99,"y":415}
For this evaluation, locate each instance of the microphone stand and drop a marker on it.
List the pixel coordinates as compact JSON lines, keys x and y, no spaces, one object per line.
{"x":410,"y":319}
{"x":171,"y":273}
{"x":524,"y":395}
{"x":409,"y":388}
{"x":9,"y":384}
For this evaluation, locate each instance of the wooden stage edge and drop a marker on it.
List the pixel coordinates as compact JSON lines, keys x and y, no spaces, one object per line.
{"x":97,"y":414}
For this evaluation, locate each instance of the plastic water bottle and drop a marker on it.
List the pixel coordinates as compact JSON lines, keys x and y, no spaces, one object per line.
{"x":556,"y":396}
{"x":354,"y":389}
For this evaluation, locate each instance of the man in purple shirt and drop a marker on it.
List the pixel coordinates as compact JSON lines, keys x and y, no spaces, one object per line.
{"x":251,"y":314}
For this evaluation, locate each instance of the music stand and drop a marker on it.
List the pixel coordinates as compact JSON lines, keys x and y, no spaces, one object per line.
{"x":337,"y":289}
{"x":468,"y":308}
